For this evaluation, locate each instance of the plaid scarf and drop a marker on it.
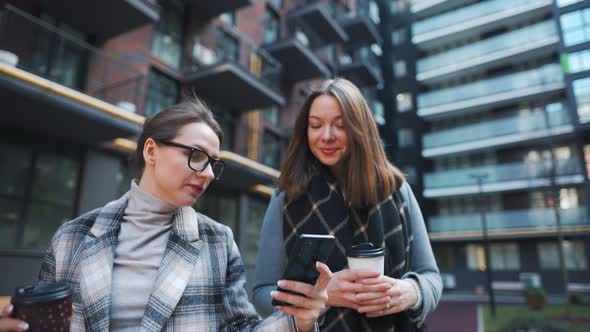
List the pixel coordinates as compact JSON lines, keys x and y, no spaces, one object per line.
{"x":323,"y":210}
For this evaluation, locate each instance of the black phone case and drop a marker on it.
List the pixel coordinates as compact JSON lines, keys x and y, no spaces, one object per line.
{"x":308,"y":249}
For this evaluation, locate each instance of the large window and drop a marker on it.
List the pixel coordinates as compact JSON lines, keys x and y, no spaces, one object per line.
{"x":57,"y":57}
{"x":573,"y":252}
{"x":272,"y":149}
{"x":404,"y":102}
{"x":227,"y":46}
{"x":504,"y":256}
{"x":167,"y":42}
{"x":576,"y":27}
{"x":563,"y":3}
{"x":405,"y":137}
{"x":37,"y":194}
{"x":271,"y":26}
{"x":578,"y":61}
{"x":162,"y":92}
{"x":581,"y":89}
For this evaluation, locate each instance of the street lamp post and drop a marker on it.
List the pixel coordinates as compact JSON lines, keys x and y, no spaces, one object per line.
{"x":486,"y":244}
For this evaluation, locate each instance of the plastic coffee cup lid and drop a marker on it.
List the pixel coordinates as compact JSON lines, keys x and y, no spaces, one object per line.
{"x":41,"y":292}
{"x":365,"y":250}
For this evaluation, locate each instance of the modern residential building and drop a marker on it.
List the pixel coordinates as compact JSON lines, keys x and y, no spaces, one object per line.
{"x":497,"y":90}
{"x":77,"y":80}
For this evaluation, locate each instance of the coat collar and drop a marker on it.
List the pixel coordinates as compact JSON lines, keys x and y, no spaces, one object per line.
{"x":180,"y":256}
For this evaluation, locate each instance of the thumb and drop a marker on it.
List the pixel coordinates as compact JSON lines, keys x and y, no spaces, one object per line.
{"x":325,"y":276}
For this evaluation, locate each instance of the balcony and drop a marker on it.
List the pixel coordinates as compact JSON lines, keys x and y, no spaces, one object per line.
{"x":542,"y":82}
{"x":424,"y":8}
{"x":223,"y":63}
{"x":322,"y":18}
{"x":552,"y":121}
{"x":475,"y":20}
{"x":531,"y":42}
{"x":361,"y":27}
{"x":63,"y":87}
{"x":298,"y":61}
{"x":362,"y":68}
{"x":208,"y":9}
{"x":106,"y":18}
{"x":509,"y":223}
{"x":502,"y":177}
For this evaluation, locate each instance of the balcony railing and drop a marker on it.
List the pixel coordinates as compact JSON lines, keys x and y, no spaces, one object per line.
{"x":362,"y":67}
{"x":502,"y":173}
{"x":556,"y":115}
{"x":218,"y":50}
{"x":504,"y":45}
{"x":61,"y":57}
{"x":477,"y":11}
{"x":499,"y":88}
{"x":531,"y":219}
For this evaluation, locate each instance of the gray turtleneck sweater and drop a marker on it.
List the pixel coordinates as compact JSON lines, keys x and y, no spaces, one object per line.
{"x":141,"y":244}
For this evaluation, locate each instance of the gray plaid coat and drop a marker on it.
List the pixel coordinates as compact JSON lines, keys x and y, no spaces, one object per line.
{"x":200,"y":283}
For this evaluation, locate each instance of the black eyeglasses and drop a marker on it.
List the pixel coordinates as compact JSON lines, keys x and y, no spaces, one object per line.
{"x":198,"y":159}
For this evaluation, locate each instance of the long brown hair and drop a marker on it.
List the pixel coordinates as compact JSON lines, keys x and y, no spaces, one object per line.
{"x":370,"y":177}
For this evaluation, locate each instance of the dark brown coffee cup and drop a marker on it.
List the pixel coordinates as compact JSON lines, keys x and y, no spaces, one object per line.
{"x":44,"y":306}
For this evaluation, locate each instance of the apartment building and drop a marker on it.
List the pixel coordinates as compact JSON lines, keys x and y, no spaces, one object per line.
{"x":487,"y":113}
{"x":78,"y":78}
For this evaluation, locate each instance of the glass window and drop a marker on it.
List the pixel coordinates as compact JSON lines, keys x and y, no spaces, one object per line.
{"x":444,"y":257}
{"x":256,"y":210}
{"x":272,"y":149}
{"x":278,"y":4}
{"x":271,"y":26}
{"x":167,"y":42}
{"x":221,"y":207}
{"x":162,"y":93}
{"x":399,"y":6}
{"x":410,"y":174}
{"x":378,"y":111}
{"x":581,"y":89}
{"x":227,"y":46}
{"x":504,"y":256}
{"x":476,"y":259}
{"x":578,"y":61}
{"x":399,"y":68}
{"x":272,"y":115}
{"x":404,"y":102}
{"x":573,"y":251}
{"x":398,"y":36}
{"x":405,"y":137}
{"x":576,"y":27}
{"x":37,"y":195}
{"x":58,"y":58}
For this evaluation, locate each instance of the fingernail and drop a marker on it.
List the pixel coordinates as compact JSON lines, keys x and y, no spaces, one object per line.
{"x":23,"y":326}
{"x":9,"y":307}
{"x":282,"y":283}
{"x":273,"y":293}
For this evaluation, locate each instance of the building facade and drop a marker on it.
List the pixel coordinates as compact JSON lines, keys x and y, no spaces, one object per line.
{"x":486,"y":108}
{"x":79,"y":78}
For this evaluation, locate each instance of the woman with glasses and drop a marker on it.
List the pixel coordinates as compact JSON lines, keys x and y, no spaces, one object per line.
{"x":149,"y":261}
{"x":337,"y":180}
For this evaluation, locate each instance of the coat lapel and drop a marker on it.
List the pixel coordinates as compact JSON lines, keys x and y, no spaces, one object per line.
{"x":177,"y":266}
{"x":96,"y":265}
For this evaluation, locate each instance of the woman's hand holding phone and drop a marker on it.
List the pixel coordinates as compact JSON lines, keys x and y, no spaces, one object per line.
{"x":307,"y":301}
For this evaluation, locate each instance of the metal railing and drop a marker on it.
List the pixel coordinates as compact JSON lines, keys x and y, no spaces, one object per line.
{"x":217,"y":46}
{"x":473,"y":12}
{"x":502,"y":173}
{"x":557,"y":115}
{"x":63,"y":57}
{"x":538,"y":77}
{"x":534,"y":219}
{"x":518,"y":39}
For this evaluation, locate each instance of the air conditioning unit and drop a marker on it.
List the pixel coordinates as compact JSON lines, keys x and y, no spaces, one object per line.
{"x":530,"y":279}
{"x":203,"y":55}
{"x":448,"y":280}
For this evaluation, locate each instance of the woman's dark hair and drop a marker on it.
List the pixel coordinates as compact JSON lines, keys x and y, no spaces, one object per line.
{"x":371,"y":179}
{"x":166,"y":124}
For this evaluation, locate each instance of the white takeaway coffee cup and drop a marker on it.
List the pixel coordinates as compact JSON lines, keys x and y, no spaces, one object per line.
{"x":366,"y":256}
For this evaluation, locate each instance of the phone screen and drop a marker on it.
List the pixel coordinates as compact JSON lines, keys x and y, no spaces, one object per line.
{"x":308,"y":249}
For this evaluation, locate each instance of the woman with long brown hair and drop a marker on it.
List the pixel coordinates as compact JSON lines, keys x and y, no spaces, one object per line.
{"x":337,"y":180}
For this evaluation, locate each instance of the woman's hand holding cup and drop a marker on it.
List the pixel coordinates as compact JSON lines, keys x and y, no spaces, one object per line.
{"x":10,"y":324}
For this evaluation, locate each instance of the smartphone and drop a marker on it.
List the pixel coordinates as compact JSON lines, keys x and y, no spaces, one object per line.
{"x":308,"y":249}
